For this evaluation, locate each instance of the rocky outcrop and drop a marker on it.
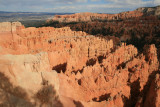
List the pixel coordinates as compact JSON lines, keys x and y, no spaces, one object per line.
{"x":57,"y":66}
{"x":150,"y":10}
{"x":62,"y":45}
{"x":23,"y":77}
{"x":88,"y":17}
{"x":9,"y":27}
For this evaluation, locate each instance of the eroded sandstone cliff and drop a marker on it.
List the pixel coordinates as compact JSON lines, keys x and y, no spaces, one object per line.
{"x":88,"y":17}
{"x":59,"y":67}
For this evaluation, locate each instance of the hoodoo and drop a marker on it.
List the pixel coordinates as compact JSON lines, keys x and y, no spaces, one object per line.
{"x":58,"y":67}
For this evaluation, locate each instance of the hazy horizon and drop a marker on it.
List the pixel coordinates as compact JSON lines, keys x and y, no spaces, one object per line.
{"x":74,"y":6}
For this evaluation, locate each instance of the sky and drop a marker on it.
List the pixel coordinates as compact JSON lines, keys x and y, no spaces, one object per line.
{"x":75,"y":6}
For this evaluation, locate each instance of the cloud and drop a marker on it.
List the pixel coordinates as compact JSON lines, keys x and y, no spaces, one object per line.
{"x":132,"y":3}
{"x":157,"y":2}
{"x":39,"y":2}
{"x":33,"y":5}
{"x":95,"y":0}
{"x":103,"y":6}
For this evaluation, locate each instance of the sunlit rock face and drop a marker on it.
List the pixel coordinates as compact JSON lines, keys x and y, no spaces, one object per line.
{"x":88,"y":17}
{"x":58,"y":67}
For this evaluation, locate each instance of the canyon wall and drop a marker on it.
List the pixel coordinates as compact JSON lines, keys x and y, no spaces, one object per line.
{"x":60,"y":67}
{"x":88,"y":17}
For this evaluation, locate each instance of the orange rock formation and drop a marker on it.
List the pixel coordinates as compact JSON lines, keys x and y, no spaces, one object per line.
{"x":87,"y":17}
{"x":59,"y":67}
